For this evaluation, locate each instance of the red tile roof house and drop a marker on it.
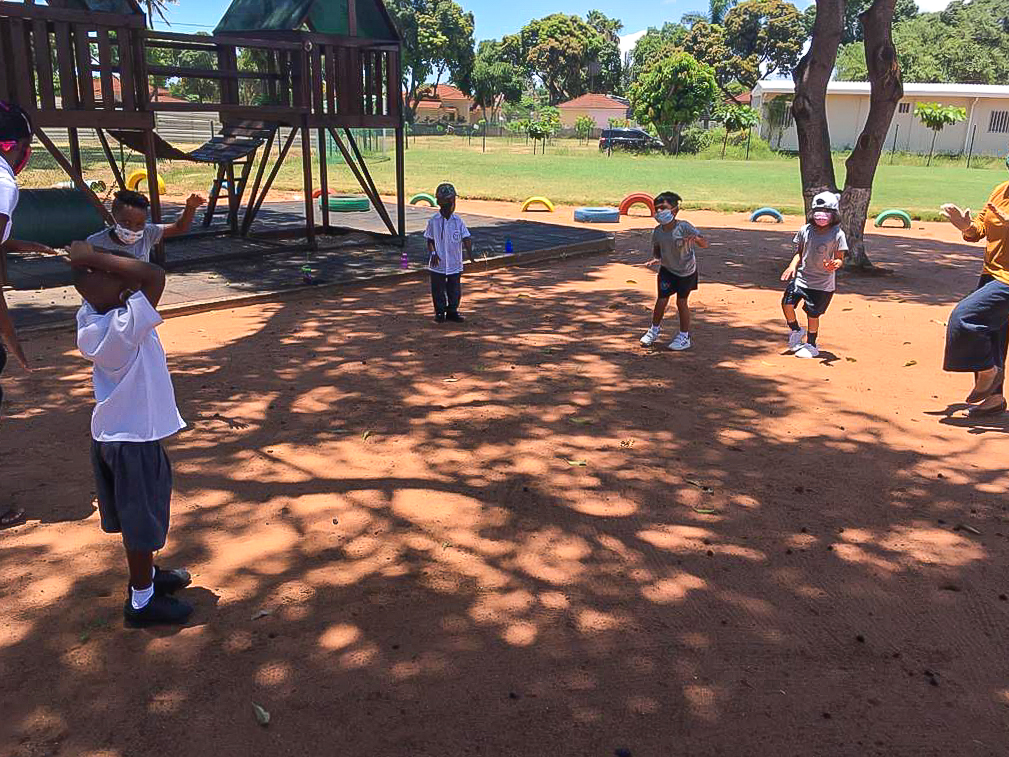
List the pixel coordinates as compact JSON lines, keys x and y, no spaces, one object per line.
{"x":600,"y":108}
{"x":445,"y":103}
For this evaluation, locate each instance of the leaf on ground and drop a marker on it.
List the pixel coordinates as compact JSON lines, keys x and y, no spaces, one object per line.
{"x":631,"y":281}
{"x":481,"y":368}
{"x":909,"y":363}
{"x":764,"y":362}
{"x":851,"y":360}
{"x":522,"y":295}
{"x":451,"y":380}
{"x":699,"y":485}
{"x":262,"y":716}
{"x":367,"y":434}
{"x":260,"y":614}
{"x":704,"y":511}
{"x":970,"y":529}
{"x":845,"y":310}
{"x":581,"y":421}
{"x":577,"y":463}
{"x":941,"y":323}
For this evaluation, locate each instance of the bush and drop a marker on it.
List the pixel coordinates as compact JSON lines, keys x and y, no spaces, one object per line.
{"x":695,"y":139}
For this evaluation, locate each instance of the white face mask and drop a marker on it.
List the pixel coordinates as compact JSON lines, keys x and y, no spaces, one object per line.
{"x":664,"y":217}
{"x":126,"y":236}
{"x":821,"y":218}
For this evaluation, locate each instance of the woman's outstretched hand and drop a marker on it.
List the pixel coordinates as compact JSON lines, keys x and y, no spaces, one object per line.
{"x":959,"y":218}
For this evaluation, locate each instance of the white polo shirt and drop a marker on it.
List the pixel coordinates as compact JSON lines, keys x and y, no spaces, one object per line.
{"x":133,"y":389}
{"x":8,"y":196}
{"x":447,"y":235}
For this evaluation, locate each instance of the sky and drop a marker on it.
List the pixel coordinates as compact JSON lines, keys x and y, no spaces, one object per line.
{"x":495,"y":18}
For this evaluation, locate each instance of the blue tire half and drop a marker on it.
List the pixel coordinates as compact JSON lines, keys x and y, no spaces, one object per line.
{"x":597,"y":215}
{"x":760,"y":212}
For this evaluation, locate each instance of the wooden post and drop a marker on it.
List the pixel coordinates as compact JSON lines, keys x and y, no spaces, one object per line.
{"x":306,"y":164}
{"x":255,"y":184}
{"x":324,"y":178}
{"x":400,"y":188}
{"x":151,"y":158}
{"x":111,"y":158}
{"x":253,"y":209}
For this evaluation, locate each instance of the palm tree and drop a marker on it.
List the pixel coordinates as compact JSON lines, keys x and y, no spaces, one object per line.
{"x":717,"y":10}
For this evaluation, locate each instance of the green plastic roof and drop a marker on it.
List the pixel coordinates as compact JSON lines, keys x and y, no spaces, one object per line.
{"x":103,"y":6}
{"x":323,"y":16}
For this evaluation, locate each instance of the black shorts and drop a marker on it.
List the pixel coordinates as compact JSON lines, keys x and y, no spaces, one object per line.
{"x":815,"y":301}
{"x":134,"y":482}
{"x":670,"y":283}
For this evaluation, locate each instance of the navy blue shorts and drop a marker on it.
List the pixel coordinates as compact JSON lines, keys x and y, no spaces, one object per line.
{"x":134,"y":483}
{"x":671,"y":283}
{"x":814,"y":301}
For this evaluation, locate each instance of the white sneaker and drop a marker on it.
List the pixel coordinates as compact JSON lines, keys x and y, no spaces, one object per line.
{"x":807,"y":350}
{"x":680,"y":342}
{"x":795,"y":339}
{"x":650,"y":336}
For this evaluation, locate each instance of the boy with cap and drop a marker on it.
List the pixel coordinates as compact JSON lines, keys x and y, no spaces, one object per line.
{"x":446,"y":236}
{"x":820,"y":248}
{"x":135,"y":409}
{"x":132,"y":233}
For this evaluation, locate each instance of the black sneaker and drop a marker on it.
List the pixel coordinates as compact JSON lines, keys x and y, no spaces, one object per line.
{"x":169,"y":581}
{"x":160,"y":611}
{"x":439,"y":318}
{"x":455,"y":318}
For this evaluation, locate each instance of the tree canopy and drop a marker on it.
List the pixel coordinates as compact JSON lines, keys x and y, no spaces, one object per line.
{"x":671,"y":93}
{"x":968,"y":43}
{"x":568,"y":54}
{"x":494,"y":80}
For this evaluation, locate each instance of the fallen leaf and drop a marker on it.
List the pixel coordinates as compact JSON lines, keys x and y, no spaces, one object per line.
{"x":336,"y":521}
{"x":451,"y":380}
{"x":702,"y":487}
{"x":851,"y":360}
{"x":262,"y":716}
{"x":941,"y":323}
{"x":909,"y":363}
{"x":522,"y":295}
{"x":631,"y":281}
{"x":366,"y":434}
{"x":845,"y":310}
{"x":581,"y":421}
{"x":764,"y":362}
{"x":971,"y":529}
{"x":704,"y":511}
{"x":260,"y":614}
{"x":577,"y":463}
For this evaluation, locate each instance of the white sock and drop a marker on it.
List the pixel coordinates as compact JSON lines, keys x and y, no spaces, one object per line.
{"x":154,"y":572}
{"x":685,"y":333}
{"x":140,"y":597}
{"x":655,"y":328}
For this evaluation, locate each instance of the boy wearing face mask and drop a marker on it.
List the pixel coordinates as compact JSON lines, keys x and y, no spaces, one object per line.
{"x":15,"y":150}
{"x":132,"y":234}
{"x":820,"y":248}
{"x":673,"y":243}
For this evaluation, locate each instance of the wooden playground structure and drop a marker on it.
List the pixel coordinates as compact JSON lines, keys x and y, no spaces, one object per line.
{"x":321,"y":68}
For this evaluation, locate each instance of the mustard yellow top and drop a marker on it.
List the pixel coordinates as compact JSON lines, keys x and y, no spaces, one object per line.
{"x":988,"y":225}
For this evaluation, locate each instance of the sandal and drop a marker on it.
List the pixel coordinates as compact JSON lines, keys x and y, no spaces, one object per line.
{"x":13,"y":517}
{"x":980,"y":394}
{"x":984,"y":412}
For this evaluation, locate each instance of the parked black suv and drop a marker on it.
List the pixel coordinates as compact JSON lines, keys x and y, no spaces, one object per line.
{"x":628,"y":139}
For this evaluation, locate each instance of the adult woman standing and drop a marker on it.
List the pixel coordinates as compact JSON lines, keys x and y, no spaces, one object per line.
{"x":977,"y":336}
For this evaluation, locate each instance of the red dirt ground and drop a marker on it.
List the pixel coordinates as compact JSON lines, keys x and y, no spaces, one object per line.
{"x":759,"y":556}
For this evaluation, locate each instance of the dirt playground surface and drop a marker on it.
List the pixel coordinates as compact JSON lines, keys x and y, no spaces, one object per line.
{"x":528,"y":535}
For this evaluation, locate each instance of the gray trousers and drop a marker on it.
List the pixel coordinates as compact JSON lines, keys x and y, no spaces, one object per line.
{"x":977,"y":335}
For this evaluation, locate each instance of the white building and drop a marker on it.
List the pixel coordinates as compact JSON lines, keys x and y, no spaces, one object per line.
{"x":987,"y":121}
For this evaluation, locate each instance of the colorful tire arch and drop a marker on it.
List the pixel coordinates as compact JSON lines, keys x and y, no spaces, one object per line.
{"x":900,"y":215}
{"x":424,"y":197}
{"x":770,"y":212}
{"x":544,"y":201}
{"x":637,"y":198}
{"x":140,"y":175}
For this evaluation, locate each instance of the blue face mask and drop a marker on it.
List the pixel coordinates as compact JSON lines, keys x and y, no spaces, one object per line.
{"x":664,"y":217}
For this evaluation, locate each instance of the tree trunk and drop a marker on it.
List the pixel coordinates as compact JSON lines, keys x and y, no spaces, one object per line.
{"x":725,"y":142}
{"x":809,"y":108}
{"x":931,"y":149}
{"x":886,"y":91}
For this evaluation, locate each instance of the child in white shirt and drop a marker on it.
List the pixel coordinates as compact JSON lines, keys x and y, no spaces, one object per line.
{"x":135,"y":410}
{"x":446,"y":236}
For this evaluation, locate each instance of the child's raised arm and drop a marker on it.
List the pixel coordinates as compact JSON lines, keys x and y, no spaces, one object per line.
{"x":150,"y":276}
{"x":185,"y":221}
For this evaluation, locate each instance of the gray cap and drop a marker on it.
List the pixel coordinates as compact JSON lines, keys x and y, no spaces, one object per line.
{"x":445,"y":191}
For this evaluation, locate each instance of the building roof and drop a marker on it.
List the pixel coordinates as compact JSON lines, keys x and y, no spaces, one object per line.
{"x":596,"y":102}
{"x":442,"y":92}
{"x":911,"y":89}
{"x":163,"y":95}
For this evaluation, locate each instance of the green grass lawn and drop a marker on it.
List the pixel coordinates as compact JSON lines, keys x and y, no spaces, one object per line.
{"x":573,"y":173}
